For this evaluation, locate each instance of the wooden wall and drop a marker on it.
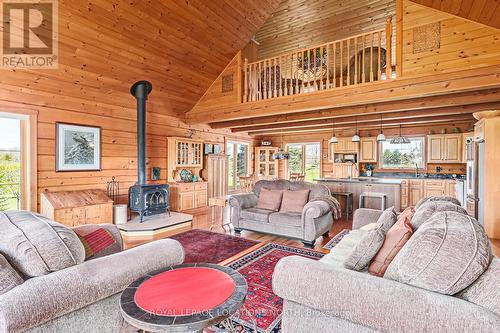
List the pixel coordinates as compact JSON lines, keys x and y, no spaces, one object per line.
{"x":324,"y":137}
{"x":459,"y":44}
{"x":304,"y":23}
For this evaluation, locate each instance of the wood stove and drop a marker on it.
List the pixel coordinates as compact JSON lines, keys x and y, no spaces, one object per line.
{"x":145,"y":199}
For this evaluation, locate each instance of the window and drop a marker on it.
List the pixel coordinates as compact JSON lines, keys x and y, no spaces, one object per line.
{"x":402,"y":156}
{"x":305,"y":158}
{"x":238,"y":153}
{"x":10,"y":164}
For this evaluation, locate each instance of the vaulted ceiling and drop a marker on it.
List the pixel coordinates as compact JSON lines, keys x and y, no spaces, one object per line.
{"x":482,"y":11}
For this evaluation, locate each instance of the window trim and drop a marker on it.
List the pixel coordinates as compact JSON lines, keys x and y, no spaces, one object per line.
{"x":424,"y":154}
{"x":234,"y":143}
{"x":304,"y":143}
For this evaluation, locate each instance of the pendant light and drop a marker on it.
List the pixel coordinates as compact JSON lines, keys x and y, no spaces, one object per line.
{"x":381,"y":136}
{"x":400,"y":139}
{"x":334,"y":139}
{"x":355,"y":137}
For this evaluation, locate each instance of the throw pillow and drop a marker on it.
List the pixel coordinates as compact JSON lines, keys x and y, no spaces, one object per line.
{"x":437,"y":198}
{"x":425,"y":211}
{"x":9,"y":278}
{"x":446,"y":254}
{"x":36,"y":246}
{"x":270,"y":199}
{"x":294,"y":201}
{"x":97,"y":241}
{"x":371,"y":242}
{"x":395,"y":239}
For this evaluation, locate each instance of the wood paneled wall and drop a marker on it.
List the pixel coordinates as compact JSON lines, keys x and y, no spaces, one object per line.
{"x":304,"y":23}
{"x":459,"y":43}
{"x":104,"y":48}
{"x":324,"y":137}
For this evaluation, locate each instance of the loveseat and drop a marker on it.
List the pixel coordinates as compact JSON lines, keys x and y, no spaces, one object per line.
{"x":324,"y":294}
{"x":47,"y":285}
{"x":306,"y":226}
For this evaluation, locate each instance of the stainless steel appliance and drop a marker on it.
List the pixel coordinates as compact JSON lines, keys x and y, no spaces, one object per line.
{"x":474,"y":154}
{"x":353,"y":158}
{"x":461,"y":192}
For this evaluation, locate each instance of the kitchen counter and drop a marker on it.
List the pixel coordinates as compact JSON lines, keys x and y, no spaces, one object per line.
{"x":362,"y":180}
{"x":402,"y":175}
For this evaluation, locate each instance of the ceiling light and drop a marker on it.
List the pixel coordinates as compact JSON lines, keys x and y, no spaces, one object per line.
{"x":381,"y":136}
{"x":334,"y":139}
{"x":355,"y":137}
{"x":400,"y":139}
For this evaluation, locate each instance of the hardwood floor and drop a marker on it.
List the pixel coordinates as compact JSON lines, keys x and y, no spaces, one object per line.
{"x":202,"y":220}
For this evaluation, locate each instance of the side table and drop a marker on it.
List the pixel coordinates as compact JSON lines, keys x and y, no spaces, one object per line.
{"x":218,"y":203}
{"x":183,"y":298}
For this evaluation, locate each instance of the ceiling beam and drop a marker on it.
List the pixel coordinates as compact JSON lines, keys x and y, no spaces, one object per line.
{"x":422,"y":121}
{"x":486,"y":99}
{"x":450,"y":112}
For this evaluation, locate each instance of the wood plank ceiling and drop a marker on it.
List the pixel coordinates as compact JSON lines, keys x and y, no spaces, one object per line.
{"x":302,"y":23}
{"x":482,"y":11}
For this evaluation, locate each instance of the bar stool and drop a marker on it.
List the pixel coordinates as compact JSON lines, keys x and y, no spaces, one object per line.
{"x":381,"y":196}
{"x":348,"y":201}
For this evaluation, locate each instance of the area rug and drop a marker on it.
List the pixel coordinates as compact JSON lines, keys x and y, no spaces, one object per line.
{"x":211,"y":247}
{"x":262,"y":307}
{"x":336,"y":239}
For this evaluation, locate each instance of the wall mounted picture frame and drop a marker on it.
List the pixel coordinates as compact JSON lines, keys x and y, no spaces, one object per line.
{"x":208,"y":148}
{"x":78,"y":147}
{"x":217,"y":149}
{"x":155,"y":173}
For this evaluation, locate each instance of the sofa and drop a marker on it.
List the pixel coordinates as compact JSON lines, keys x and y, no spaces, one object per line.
{"x":314,"y":220}
{"x":324,"y":294}
{"x":48,"y":285}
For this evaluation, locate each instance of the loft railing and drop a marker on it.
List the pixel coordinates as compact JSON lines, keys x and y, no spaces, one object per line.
{"x":354,"y":60}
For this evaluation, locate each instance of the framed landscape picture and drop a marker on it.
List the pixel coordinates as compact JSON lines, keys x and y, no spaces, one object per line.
{"x":78,"y":147}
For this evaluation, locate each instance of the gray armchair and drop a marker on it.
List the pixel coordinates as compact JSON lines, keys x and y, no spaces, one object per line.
{"x":315,"y":220}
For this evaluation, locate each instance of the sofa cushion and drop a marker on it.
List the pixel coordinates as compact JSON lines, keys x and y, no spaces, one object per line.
{"x":425,"y":211}
{"x":485,"y":291}
{"x":9,"y":278}
{"x":294,"y":201}
{"x":446,"y":254}
{"x":36,"y":246}
{"x":395,"y":239}
{"x":256,"y":214}
{"x":437,"y":198}
{"x":371,"y":242}
{"x":280,"y":185}
{"x":289,"y":219}
{"x":318,"y":191}
{"x":270,"y":199}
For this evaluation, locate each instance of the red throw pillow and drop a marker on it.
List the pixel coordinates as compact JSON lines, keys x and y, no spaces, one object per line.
{"x":95,"y":240}
{"x":269,"y":199}
{"x":294,"y":201}
{"x":395,"y":239}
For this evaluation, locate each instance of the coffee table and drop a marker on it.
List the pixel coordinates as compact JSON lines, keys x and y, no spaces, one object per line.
{"x":183,"y":298}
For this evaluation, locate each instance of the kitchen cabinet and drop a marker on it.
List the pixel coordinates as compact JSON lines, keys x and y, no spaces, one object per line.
{"x":451,"y":188}
{"x":183,"y":153}
{"x":466,"y":138}
{"x":444,"y":148}
{"x":404,"y":194}
{"x":415,"y":191}
{"x":186,"y":196}
{"x":345,"y":170}
{"x":344,"y":145}
{"x":266,"y":166}
{"x":434,"y":187}
{"x":368,"y":150}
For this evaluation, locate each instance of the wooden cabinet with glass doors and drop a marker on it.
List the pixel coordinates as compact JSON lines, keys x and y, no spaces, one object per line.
{"x":266,"y":167}
{"x":184,"y":154}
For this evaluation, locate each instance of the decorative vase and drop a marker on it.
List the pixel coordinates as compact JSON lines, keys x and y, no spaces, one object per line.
{"x":369,"y":173}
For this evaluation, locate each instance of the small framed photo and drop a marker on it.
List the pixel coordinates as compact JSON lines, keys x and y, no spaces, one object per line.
{"x":217,"y":149}
{"x":209,"y":148}
{"x":78,"y":147}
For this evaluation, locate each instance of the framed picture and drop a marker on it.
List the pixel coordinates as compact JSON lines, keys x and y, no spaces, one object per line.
{"x":217,"y":149}
{"x":78,"y":147}
{"x":208,"y":148}
{"x":155,"y":173}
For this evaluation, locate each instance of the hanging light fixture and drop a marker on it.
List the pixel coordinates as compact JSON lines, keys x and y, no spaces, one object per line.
{"x":334,"y":139}
{"x":281,"y":154}
{"x":400,"y":139}
{"x":381,"y":136}
{"x":355,"y":137}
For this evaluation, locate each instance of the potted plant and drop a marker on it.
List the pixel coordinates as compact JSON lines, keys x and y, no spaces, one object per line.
{"x":369,"y":169}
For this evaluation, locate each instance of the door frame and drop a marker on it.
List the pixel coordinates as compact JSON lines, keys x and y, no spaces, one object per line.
{"x":320,"y":143}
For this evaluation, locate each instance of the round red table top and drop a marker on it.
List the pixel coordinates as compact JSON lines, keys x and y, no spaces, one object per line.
{"x":184,"y":291}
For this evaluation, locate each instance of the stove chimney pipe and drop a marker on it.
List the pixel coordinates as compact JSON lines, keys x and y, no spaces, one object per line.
{"x":140,"y":90}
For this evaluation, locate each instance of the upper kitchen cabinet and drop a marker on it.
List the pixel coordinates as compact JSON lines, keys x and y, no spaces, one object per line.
{"x":368,"y":150}
{"x":344,"y":145}
{"x":444,"y":148}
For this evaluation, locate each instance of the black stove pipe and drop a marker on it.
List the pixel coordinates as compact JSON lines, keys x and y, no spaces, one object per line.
{"x":140,"y":90}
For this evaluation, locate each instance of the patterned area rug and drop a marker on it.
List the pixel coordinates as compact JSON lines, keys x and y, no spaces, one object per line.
{"x":336,"y":239}
{"x":211,"y":247}
{"x":262,"y":307}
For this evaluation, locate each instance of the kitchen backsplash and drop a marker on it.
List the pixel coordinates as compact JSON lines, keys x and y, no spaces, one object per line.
{"x":445,"y":169}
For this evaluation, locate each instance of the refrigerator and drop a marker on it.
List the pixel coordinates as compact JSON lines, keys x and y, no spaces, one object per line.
{"x":475,"y":179}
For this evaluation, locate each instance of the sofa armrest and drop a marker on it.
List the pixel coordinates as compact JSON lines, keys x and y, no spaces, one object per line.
{"x":315,"y":209}
{"x":364,"y":216}
{"x":44,"y":298}
{"x":238,"y":202}
{"x":113,"y":231}
{"x":375,"y":302}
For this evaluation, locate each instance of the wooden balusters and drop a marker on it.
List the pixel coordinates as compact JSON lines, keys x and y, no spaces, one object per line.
{"x":245,"y":78}
{"x":379,"y":61}
{"x":303,"y":66}
{"x":388,"y":47}
{"x":334,"y":64}
{"x":348,"y":79}
{"x":341,"y":69}
{"x":328,"y":66}
{"x":314,"y":71}
{"x":371,"y":57}
{"x":363,"y":59}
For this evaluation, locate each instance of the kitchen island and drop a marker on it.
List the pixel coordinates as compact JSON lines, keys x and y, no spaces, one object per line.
{"x":390,"y":187}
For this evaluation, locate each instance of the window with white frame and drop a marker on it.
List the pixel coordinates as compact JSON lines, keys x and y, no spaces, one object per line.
{"x":402,"y":156}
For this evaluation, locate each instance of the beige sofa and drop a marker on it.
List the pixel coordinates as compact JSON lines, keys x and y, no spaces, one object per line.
{"x":322,"y":294}
{"x":315,"y":220}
